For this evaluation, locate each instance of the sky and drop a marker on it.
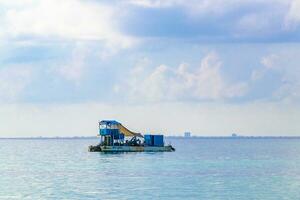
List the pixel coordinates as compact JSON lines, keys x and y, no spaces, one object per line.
{"x":211,"y":67}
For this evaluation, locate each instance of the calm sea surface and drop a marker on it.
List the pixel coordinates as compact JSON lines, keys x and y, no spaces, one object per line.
{"x":199,"y":169}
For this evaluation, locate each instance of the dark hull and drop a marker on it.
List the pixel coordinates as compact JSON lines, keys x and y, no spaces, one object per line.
{"x":100,"y":148}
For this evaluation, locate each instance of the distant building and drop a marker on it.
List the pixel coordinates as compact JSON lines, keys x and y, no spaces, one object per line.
{"x":187,"y":134}
{"x":234,"y":135}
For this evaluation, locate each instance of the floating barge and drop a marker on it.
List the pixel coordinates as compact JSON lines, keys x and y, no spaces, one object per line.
{"x":114,"y":137}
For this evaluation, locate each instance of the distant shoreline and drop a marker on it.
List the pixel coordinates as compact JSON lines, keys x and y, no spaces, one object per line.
{"x":235,"y":137}
{"x":167,"y":137}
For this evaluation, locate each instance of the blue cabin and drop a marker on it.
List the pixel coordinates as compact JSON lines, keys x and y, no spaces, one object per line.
{"x":109,"y":131}
{"x":108,"y":127}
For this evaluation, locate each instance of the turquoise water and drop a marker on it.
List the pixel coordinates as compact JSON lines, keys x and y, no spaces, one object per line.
{"x":199,"y":169}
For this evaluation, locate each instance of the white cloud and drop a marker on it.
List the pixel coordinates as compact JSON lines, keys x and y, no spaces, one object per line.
{"x":18,"y":4}
{"x":13,"y":81}
{"x":286,"y":64}
{"x":216,"y":7}
{"x":236,"y":19}
{"x":293,"y":15}
{"x":155,"y":3}
{"x":91,"y":20}
{"x":258,"y":74}
{"x":270,"y":61}
{"x":74,"y":68}
{"x":164,"y":83}
{"x":254,"y":23}
{"x":69,"y":19}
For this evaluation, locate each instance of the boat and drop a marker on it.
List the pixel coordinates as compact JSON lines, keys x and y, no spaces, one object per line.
{"x":114,"y":137}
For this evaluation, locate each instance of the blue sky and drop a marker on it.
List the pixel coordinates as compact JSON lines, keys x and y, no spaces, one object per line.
{"x":210,"y":67}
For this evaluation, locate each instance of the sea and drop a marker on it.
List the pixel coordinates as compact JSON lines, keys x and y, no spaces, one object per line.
{"x":200,"y":168}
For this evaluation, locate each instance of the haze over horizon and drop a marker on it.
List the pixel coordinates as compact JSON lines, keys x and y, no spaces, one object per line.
{"x":209,"y":67}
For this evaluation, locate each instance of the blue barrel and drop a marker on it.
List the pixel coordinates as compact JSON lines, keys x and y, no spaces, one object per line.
{"x":154,"y":140}
{"x":158,"y":140}
{"x":148,"y":140}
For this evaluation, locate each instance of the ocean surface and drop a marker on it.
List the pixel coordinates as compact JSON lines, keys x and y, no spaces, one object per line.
{"x":199,"y":169}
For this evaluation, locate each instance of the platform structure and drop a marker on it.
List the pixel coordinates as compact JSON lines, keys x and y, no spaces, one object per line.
{"x":114,"y":137}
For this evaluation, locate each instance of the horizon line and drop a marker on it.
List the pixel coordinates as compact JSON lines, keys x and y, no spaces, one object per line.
{"x":168,"y":136}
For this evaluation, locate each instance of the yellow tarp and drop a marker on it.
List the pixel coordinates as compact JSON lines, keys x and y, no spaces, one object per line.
{"x":127,"y":132}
